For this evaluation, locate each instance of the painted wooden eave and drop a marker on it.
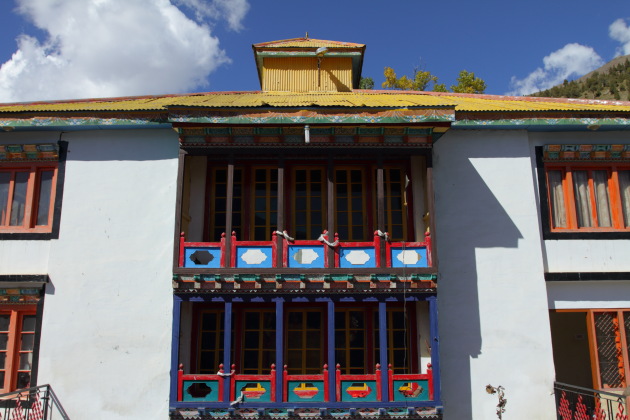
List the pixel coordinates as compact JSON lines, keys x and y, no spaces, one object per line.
{"x":464,"y":110}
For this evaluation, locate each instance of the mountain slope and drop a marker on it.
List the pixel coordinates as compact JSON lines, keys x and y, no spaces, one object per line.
{"x":610,"y":81}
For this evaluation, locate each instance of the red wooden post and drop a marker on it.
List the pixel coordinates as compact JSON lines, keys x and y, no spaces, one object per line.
{"x":221,"y":382}
{"x":181,"y":249}
{"x":377,"y":249}
{"x":379,"y":382}
{"x":427,"y":240}
{"x":223,"y":261}
{"x":180,"y":381}
{"x":273,"y":382}
{"x":338,"y":382}
{"x":430,"y":377}
{"x":233,"y":384}
{"x":285,"y":384}
{"x":233,"y":252}
{"x":325,"y":373}
{"x":336,"y":250}
{"x":390,"y":380}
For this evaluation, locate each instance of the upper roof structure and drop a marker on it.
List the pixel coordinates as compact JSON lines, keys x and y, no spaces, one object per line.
{"x":299,"y":54}
{"x":314,"y":100}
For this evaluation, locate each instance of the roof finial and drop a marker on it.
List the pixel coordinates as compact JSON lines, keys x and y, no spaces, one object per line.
{"x":306,"y":35}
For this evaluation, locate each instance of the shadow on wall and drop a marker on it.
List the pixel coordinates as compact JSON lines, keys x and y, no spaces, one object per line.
{"x":468,"y":217}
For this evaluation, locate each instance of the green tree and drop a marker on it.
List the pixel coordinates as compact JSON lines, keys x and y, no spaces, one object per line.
{"x":420,"y":81}
{"x":467,"y":82}
{"x":366,"y":83}
{"x":440,"y":87}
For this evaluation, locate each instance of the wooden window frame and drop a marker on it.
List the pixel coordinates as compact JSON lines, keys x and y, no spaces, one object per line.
{"x":33,"y":188}
{"x":623,"y":342}
{"x":13,"y":351}
{"x":284,"y":210}
{"x":567,"y":170}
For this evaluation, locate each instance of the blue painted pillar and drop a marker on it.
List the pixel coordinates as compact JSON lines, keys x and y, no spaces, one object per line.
{"x":177,"y":310}
{"x":382,"y":343}
{"x":279,"y":347}
{"x":332,"y":378}
{"x":435,"y":347}
{"x":227,"y":348}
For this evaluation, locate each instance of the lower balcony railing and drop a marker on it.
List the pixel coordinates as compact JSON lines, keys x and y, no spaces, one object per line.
{"x":36,"y":403}
{"x":328,"y":393}
{"x":284,"y":252}
{"x":576,"y":403}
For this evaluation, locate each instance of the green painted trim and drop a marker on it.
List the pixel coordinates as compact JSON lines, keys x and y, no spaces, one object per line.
{"x":319,"y":119}
{"x":80,"y":122}
{"x":307,"y":54}
{"x":544,"y":122}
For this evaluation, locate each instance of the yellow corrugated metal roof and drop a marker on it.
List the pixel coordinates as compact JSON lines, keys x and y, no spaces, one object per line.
{"x":307,"y":43}
{"x":355,"y":99}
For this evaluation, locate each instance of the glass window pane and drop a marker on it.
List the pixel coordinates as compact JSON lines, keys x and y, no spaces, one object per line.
{"x":294,"y":340}
{"x":5,"y":178}
{"x":251,"y":320}
{"x":3,"y":358}
{"x":4,"y":340}
{"x":18,"y":206}
{"x":28,"y":341}
{"x":313,"y":320}
{"x":582,"y":195}
{"x":4,"y":322}
{"x":26,"y":360}
{"x":251,"y":339}
{"x":313,"y":339}
{"x":624,"y":187}
{"x":602,"y":200}
{"x":28,"y":323}
{"x":23,"y":380}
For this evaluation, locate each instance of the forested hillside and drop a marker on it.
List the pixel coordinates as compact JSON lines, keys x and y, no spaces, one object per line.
{"x":611,"y":81}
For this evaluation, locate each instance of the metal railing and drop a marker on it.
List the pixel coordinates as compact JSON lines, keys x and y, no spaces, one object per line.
{"x":574,"y":402}
{"x":36,"y":403}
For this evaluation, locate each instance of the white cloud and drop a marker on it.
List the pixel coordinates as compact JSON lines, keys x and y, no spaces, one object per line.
{"x":233,"y":11}
{"x":569,"y":61}
{"x":619,"y":31}
{"x":102,"y":48}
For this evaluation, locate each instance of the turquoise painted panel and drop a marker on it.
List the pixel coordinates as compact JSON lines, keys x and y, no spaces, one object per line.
{"x":201,"y":391}
{"x":412,"y":257}
{"x":364,"y":391}
{"x":306,"y":391}
{"x":254,"y":256}
{"x":254,"y":391}
{"x":411,"y":390}
{"x":202,"y":257}
{"x":354,"y":257}
{"x":306,"y":256}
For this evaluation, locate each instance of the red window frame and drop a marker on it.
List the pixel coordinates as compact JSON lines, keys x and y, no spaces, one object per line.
{"x":13,"y":349}
{"x":31,"y":200}
{"x":570,"y":211}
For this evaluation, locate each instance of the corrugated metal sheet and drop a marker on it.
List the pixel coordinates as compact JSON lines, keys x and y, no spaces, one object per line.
{"x":368,"y":99}
{"x":307,"y":43}
{"x":300,"y":74}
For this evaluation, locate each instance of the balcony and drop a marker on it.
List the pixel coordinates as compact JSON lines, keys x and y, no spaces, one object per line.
{"x":284,"y":261}
{"x":330,"y":393}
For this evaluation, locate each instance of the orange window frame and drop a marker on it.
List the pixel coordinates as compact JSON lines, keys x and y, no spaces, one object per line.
{"x":389,"y":188}
{"x":304,"y":349}
{"x":621,"y":342}
{"x":614,"y":195}
{"x":31,"y":202}
{"x":13,"y":350}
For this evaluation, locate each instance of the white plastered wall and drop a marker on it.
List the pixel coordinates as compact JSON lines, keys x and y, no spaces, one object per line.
{"x":106,"y":328}
{"x":493,"y":315}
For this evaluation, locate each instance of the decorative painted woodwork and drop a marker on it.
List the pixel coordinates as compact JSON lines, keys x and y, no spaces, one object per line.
{"x":305,"y":388}
{"x":358,"y":388}
{"x":28,"y":152}
{"x":253,"y":388}
{"x":201,"y":254}
{"x":299,"y":254}
{"x":409,"y":254}
{"x":586,"y":152}
{"x":206,"y":388}
{"x":358,"y":254}
{"x":252,"y":254}
{"x":410,"y":387}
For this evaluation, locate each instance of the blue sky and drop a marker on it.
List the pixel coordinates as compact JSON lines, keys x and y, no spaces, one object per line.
{"x":99,"y":48}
